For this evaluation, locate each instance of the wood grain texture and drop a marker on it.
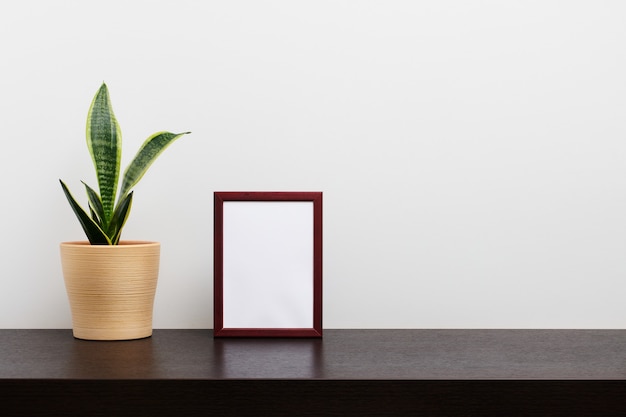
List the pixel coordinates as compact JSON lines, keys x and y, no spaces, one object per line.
{"x":349,"y":372}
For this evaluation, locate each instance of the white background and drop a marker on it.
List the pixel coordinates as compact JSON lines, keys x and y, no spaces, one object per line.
{"x":471,"y":153}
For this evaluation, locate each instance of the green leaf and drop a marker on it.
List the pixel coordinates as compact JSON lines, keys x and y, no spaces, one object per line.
{"x":95,"y":217}
{"x":147,"y":154}
{"x":104,"y":223}
{"x":119,"y":218}
{"x":104,"y":140}
{"x":94,"y":233}
{"x":95,"y":205}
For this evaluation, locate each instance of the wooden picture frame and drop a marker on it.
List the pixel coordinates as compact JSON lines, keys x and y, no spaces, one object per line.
{"x":267,"y":264}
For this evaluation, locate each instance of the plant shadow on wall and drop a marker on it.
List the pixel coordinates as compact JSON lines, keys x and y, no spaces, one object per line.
{"x":111,"y":283}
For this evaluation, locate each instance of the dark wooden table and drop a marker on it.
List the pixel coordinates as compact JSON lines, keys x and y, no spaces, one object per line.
{"x":348,"y":372}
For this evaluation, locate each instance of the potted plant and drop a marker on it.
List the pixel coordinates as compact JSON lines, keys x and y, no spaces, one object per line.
{"x":111,"y":283}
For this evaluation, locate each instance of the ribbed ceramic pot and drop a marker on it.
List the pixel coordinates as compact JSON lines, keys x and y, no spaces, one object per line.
{"x":111,"y":288}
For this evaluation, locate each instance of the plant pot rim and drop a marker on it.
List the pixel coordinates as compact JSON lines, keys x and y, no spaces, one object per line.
{"x":122,"y":243}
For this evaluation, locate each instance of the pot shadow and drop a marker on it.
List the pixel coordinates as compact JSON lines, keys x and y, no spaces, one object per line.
{"x":126,"y":359}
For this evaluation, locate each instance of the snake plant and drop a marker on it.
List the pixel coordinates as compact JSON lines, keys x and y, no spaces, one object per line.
{"x":103,"y":225}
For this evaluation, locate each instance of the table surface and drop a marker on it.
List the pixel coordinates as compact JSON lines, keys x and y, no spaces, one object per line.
{"x":340,"y":355}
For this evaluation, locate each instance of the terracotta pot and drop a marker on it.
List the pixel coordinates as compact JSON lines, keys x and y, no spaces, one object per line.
{"x":111,"y":288}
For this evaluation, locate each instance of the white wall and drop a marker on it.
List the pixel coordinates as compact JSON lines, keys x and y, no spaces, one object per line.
{"x":471,"y":153}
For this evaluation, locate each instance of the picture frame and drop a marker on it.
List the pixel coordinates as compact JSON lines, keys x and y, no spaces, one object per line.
{"x":267,"y":264}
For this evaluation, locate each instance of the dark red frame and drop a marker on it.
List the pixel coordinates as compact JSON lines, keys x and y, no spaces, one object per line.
{"x":218,"y":274}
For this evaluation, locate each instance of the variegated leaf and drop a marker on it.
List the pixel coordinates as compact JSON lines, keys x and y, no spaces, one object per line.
{"x":147,"y":154}
{"x":94,"y":233}
{"x":104,"y":140}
